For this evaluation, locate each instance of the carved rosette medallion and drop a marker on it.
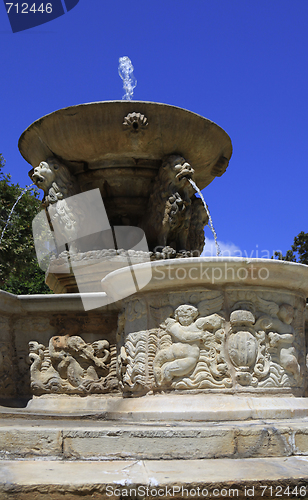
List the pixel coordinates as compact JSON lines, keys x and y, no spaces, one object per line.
{"x":135,"y":122}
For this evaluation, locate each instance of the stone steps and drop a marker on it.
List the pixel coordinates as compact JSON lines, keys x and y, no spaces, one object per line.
{"x":222,"y":478}
{"x":200,"y":407}
{"x":104,"y":440}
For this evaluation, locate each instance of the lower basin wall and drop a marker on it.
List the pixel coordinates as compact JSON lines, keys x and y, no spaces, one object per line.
{"x":228,"y":339}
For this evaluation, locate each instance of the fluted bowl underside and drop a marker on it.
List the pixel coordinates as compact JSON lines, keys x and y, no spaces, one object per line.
{"x":108,"y":134}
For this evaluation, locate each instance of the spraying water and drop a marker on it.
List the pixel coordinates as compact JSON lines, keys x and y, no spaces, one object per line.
{"x":126,"y":73}
{"x":194,"y":185}
{"x":13,"y":208}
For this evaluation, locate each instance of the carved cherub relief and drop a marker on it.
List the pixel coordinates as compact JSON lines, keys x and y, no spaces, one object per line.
{"x":188,"y":334}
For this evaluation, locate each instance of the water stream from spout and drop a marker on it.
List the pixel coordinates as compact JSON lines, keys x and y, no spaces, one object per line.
{"x":126,"y":73}
{"x":13,"y":208}
{"x":194,"y":185}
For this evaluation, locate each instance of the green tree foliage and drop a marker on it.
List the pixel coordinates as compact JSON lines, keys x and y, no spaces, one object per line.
{"x":299,"y":250}
{"x":19,"y":270}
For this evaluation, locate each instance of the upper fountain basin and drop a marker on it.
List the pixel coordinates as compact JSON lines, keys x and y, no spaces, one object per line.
{"x":115,"y":134}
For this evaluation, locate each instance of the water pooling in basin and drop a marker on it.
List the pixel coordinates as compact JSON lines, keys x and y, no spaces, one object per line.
{"x":13,"y":208}
{"x":194,"y":185}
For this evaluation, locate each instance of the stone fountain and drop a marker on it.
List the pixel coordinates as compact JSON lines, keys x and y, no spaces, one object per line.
{"x":149,"y":361}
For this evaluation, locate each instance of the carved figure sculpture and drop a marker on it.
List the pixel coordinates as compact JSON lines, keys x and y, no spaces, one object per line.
{"x":181,"y":357}
{"x":283,"y":337}
{"x":75,"y":360}
{"x":173,"y":211}
{"x":70,"y":365}
{"x":43,"y":376}
{"x":58,"y":184}
{"x":263,"y":351}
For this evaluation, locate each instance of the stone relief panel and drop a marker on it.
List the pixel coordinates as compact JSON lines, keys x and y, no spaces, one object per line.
{"x":69,"y":365}
{"x":93,"y":325}
{"x":283,"y":348}
{"x":174,"y":341}
{"x":190,"y":351}
{"x":200,"y":341}
{"x":60,"y":360}
{"x":240,"y":339}
{"x":265,"y":341}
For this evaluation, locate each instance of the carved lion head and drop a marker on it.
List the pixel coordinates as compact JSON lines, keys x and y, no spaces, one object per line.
{"x":178,"y":171}
{"x":55,"y":179}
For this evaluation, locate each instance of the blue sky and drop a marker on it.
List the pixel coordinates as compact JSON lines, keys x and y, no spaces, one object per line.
{"x":240,"y":63}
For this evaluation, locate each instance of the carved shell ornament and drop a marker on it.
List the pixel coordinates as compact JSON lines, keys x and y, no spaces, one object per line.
{"x":135,"y":122}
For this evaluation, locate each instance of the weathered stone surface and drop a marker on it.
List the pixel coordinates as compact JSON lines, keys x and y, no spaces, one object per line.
{"x":73,"y":438}
{"x":264,"y":441}
{"x":222,"y":478}
{"x":156,"y":443}
{"x":8,"y":369}
{"x":24,"y":441}
{"x":162,"y":407}
{"x":300,"y":438}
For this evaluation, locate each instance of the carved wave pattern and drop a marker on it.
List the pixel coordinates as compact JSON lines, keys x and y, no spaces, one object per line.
{"x":152,"y":349}
{"x":202,"y":376}
{"x":140,"y":350}
{"x":277,"y":377}
{"x":136,"y":351}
